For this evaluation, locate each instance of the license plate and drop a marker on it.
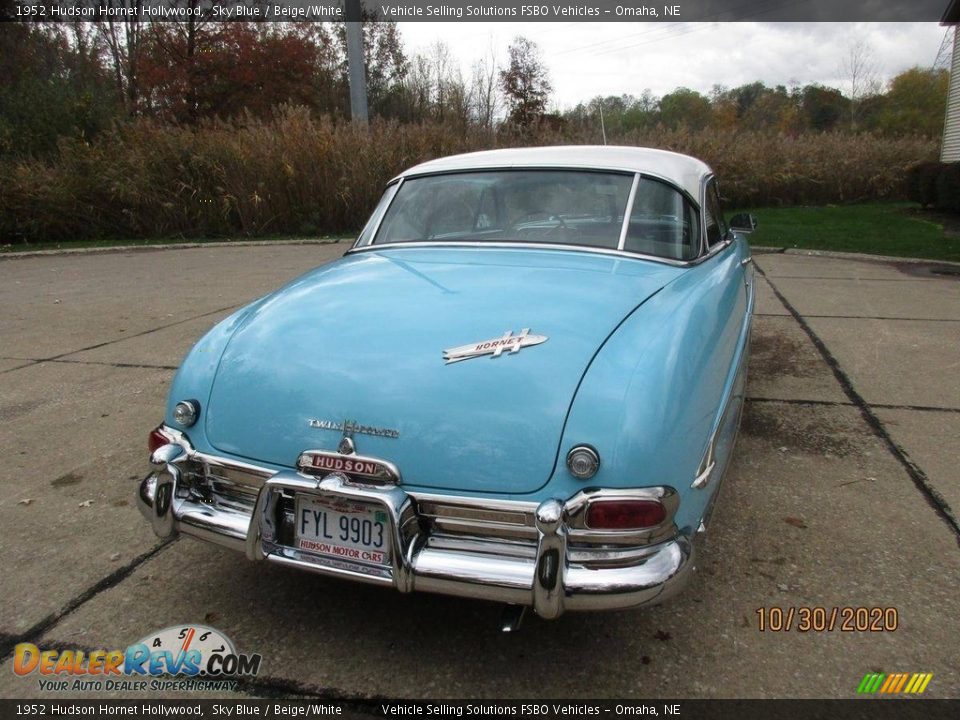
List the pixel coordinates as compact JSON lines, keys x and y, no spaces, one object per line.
{"x":341,"y":528}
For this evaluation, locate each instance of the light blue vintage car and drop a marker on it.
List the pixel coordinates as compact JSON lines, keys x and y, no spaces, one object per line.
{"x":521,"y":384}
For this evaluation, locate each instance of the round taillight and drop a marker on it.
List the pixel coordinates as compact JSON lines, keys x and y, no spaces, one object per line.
{"x":156,"y":440}
{"x":583,"y":462}
{"x":624,"y":514}
{"x":186,"y":412}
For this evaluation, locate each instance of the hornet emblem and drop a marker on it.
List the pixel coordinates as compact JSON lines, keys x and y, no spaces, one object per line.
{"x":508,"y":342}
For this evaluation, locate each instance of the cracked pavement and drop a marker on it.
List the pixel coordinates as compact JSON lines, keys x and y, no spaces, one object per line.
{"x":839,"y":495}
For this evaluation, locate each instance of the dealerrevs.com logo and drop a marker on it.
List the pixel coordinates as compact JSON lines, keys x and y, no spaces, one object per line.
{"x":182,"y":658}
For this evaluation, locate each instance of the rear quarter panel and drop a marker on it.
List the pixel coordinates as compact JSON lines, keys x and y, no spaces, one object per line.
{"x":656,"y":389}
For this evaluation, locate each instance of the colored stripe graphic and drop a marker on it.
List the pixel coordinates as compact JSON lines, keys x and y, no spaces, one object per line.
{"x":870,"y":683}
{"x":903,"y":680}
{"x":876,"y":682}
{"x":894,"y":683}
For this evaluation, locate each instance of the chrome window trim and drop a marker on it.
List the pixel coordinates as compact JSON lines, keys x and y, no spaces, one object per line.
{"x":705,"y":250}
{"x":560,"y":168}
{"x":717,"y":249}
{"x":376,"y":227}
{"x":526,"y":246}
{"x":703,"y":215}
{"x":618,"y":251}
{"x":625,"y":226}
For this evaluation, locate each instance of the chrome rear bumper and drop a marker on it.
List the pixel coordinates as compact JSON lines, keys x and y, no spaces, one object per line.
{"x":547,"y":573}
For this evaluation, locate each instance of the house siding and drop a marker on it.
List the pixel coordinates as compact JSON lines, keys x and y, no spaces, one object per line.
{"x":950,"y":149}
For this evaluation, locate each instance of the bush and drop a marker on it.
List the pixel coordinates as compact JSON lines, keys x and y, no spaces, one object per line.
{"x":297,"y":173}
{"x":921,"y":183}
{"x":948,"y":187}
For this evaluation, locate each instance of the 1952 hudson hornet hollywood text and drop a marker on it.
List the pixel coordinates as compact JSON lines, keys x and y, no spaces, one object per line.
{"x":522,"y":383}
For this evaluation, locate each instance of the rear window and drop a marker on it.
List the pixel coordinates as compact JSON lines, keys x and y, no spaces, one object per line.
{"x":568,"y":207}
{"x":547,"y":206}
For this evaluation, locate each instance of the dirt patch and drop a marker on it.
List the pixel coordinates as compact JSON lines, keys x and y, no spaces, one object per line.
{"x":937,"y":271}
{"x":71,"y":478}
{"x":12,"y":412}
{"x":801,"y":428}
{"x":774,"y":354}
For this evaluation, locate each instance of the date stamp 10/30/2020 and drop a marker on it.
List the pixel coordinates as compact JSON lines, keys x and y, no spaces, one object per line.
{"x":817,"y":618}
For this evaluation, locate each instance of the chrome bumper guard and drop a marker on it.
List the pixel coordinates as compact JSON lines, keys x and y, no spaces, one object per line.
{"x":548,"y":580}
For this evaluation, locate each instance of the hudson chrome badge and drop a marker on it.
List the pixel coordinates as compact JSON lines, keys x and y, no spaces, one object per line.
{"x":355,"y":467}
{"x":508,"y":342}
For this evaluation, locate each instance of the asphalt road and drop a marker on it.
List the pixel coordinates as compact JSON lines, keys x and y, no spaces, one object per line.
{"x":838,"y":496}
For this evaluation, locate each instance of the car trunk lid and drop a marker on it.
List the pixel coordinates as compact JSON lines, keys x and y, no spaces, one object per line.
{"x":360,"y":343}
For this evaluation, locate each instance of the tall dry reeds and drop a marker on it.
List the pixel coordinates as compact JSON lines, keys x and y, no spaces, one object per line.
{"x":301,"y":174}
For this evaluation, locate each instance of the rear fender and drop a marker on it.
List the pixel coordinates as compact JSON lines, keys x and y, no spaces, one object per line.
{"x":652,"y":396}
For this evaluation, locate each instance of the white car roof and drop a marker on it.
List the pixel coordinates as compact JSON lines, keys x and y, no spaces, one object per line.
{"x":682,"y":170}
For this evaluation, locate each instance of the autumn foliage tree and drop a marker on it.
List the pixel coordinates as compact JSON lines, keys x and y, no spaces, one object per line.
{"x":227,"y":69}
{"x":526,"y":83}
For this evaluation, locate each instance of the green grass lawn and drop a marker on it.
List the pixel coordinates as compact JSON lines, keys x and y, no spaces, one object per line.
{"x":896,"y":229}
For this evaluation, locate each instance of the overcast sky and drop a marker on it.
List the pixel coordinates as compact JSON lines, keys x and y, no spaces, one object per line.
{"x":589,"y":59}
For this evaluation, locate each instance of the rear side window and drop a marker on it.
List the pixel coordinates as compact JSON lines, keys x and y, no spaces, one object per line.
{"x":713,"y":214}
{"x":662,"y":222}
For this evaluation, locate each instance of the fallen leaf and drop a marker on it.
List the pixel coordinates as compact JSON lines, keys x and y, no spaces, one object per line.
{"x":85,"y":503}
{"x":796,"y":522}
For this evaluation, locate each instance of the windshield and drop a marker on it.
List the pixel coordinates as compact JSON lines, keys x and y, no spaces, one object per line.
{"x":571,"y":207}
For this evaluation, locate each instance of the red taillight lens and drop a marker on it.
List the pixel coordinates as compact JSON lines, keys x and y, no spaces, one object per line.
{"x":156,"y":439}
{"x":624,"y":514}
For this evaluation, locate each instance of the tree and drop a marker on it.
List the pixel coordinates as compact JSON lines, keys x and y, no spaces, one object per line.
{"x":487,"y":99}
{"x":685,"y":108}
{"x":386,"y":63}
{"x":124,"y":42}
{"x":176,"y":47}
{"x":771,"y":110}
{"x":822,"y":108}
{"x":526,"y":83}
{"x":860,"y":70}
{"x":51,"y":85}
{"x":915,"y":103}
{"x":234,"y":68}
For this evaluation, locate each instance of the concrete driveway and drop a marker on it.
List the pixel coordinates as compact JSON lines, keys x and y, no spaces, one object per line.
{"x":838,"y":496}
